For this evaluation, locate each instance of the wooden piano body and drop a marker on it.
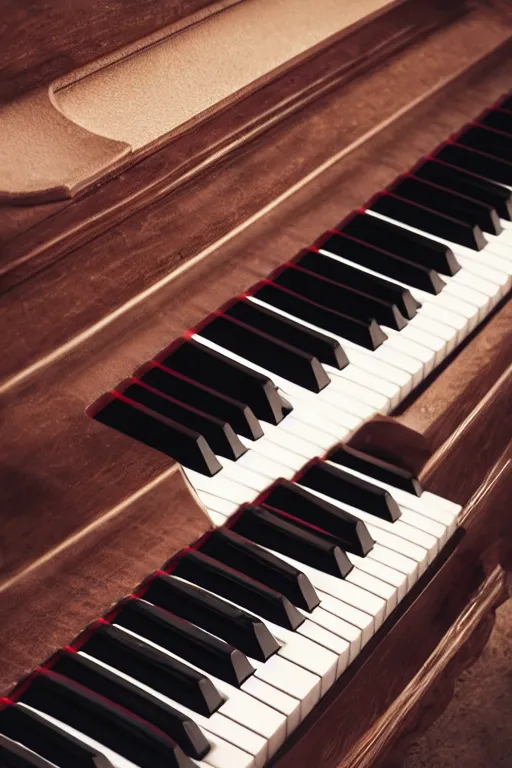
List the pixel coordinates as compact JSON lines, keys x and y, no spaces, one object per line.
{"x":94,"y":284}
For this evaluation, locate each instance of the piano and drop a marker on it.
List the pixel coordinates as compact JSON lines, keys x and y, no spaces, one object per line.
{"x":256,"y":381}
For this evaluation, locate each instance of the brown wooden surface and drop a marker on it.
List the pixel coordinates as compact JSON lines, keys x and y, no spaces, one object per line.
{"x":45,"y":39}
{"x":269,"y":123}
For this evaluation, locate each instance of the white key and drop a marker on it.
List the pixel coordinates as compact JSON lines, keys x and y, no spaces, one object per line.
{"x":384,"y":573}
{"x":371,"y":584}
{"x":116,"y":760}
{"x":291,"y":679}
{"x":432,"y":348}
{"x":322,"y":635}
{"x":219,"y":486}
{"x":426,"y":524}
{"x":282,"y":702}
{"x":254,"y":463}
{"x":373,"y":401}
{"x":283,"y":459}
{"x":402,"y":340}
{"x":221,"y":506}
{"x":322,"y":440}
{"x":396,"y":560}
{"x":278,"y":444}
{"x":265,"y":729}
{"x":340,"y":634}
{"x":224,"y":755}
{"x":362,"y":377}
{"x":299,"y":648}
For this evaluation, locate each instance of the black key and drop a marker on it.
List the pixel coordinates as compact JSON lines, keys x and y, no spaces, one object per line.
{"x":342,"y":486}
{"x":497,"y":119}
{"x":300,"y":503}
{"x":175,"y":440}
{"x":389,"y":264}
{"x":326,"y":349}
{"x":449,"y":203}
{"x":170,"y":721}
{"x":430,"y":221}
{"x":184,"y":639}
{"x":233,"y":625}
{"x":103,"y":721}
{"x":476,"y":162}
{"x":465,"y":183}
{"x":218,"y":434}
{"x":152,"y":667}
{"x":15,"y":755}
{"x":365,"y":333}
{"x":413,"y":248}
{"x":245,"y":556}
{"x":48,"y":740}
{"x":225,"y":408}
{"x":277,"y":531}
{"x":260,"y":348}
{"x":347,"y":275}
{"x":348,"y":457}
{"x":227,"y":377}
{"x":487,"y":140}
{"x":337,"y":297}
{"x":237,"y":587}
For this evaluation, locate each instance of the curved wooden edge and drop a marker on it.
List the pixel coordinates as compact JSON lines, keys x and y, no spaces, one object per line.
{"x":428,"y":694}
{"x":386,"y":438}
{"x":45,"y":156}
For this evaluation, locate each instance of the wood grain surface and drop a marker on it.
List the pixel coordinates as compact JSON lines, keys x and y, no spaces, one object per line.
{"x":45,"y":39}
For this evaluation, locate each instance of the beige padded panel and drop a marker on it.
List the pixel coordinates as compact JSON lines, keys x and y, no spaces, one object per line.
{"x":45,"y":156}
{"x":143,"y":97}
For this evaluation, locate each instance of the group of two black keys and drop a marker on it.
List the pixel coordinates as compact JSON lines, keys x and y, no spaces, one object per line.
{"x":186,"y":616}
{"x":192,"y":402}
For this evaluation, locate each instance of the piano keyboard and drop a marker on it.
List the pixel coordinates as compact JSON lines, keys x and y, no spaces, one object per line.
{"x":216,"y":658}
